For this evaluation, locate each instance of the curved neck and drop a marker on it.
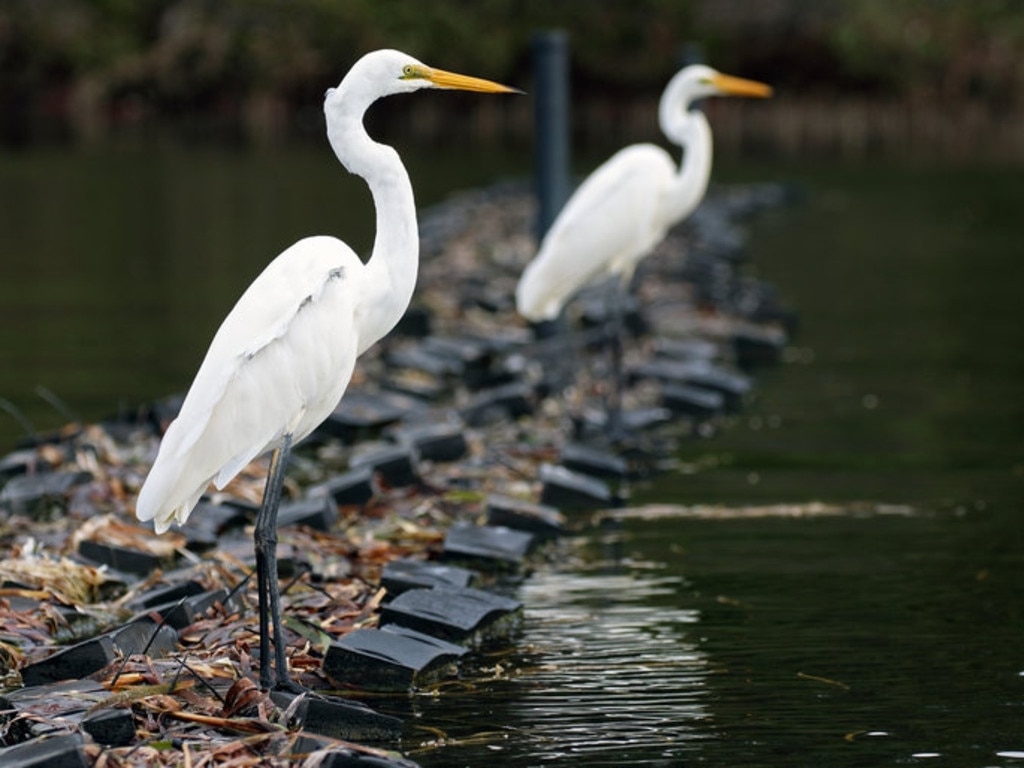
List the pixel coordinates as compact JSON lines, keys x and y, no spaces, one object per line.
{"x":394,"y":262}
{"x":690,"y":184}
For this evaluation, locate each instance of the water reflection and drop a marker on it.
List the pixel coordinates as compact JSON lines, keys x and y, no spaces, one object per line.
{"x":615,"y":679}
{"x":603,"y":679}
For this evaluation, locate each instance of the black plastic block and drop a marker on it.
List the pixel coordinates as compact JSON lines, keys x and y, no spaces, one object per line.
{"x":121,"y":559}
{"x":696,"y":402}
{"x":434,"y":442}
{"x":183,"y":613}
{"x":340,"y":718}
{"x":18,"y":463}
{"x":111,"y":727}
{"x":415,"y":323}
{"x":166,"y":594}
{"x":732,"y":386}
{"x":758,"y":347}
{"x":467,"y":615}
{"x":401,"y":575}
{"x":510,"y":401}
{"x":26,"y":494}
{"x":595,"y":462}
{"x":74,"y":662}
{"x":417,"y":358}
{"x":144,"y":635}
{"x":488,"y":546}
{"x":564,"y":489}
{"x":317,"y":512}
{"x":375,"y":660}
{"x":353,"y":488}
{"x":63,"y":751}
{"x":416,"y":386}
{"x":472,"y":357}
{"x":54,"y":700}
{"x":670,"y":370}
{"x":360,"y":415}
{"x":639,"y":419}
{"x":539,"y":519}
{"x":394,"y":465}
{"x":217,"y":518}
{"x":344,"y":757}
{"x":686,"y":349}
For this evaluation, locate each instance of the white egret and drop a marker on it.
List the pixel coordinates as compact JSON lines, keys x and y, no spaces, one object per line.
{"x":627,"y":206}
{"x":284,"y":355}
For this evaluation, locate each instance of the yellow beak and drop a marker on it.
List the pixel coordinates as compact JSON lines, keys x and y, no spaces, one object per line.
{"x":443,"y":79}
{"x":737,"y":86}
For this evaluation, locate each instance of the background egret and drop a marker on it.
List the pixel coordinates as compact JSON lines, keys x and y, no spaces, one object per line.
{"x":627,"y":206}
{"x":284,"y":355}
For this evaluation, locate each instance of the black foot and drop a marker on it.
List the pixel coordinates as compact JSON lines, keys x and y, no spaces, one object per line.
{"x":288,"y":685}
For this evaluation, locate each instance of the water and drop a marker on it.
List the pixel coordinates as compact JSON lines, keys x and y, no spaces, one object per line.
{"x":880,"y":626}
{"x":835,"y":578}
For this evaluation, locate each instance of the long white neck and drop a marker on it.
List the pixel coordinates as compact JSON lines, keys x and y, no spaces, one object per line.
{"x":392,"y":269}
{"x":693,"y":134}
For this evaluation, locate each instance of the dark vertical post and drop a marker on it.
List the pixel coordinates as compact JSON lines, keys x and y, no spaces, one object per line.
{"x":690,"y":52}
{"x":551,"y":125}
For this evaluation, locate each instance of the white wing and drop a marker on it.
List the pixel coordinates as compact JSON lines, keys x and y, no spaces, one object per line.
{"x":608,"y":224}
{"x":278,"y":365}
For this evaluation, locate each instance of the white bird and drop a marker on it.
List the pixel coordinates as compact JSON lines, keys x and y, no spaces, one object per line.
{"x":284,"y":355}
{"x":627,"y":206}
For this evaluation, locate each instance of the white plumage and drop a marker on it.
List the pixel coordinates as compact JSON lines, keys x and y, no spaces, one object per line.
{"x":278,"y":365}
{"x":626,"y":206}
{"x":284,"y":355}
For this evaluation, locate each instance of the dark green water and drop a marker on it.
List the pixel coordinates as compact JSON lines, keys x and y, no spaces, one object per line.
{"x":886,"y":634}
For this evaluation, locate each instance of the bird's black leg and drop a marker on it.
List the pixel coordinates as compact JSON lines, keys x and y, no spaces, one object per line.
{"x":614,"y":407}
{"x":265,"y":544}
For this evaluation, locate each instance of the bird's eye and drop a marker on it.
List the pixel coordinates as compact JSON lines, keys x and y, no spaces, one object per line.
{"x":408,"y":71}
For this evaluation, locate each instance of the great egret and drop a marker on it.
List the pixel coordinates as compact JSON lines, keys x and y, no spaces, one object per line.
{"x":626,"y":207}
{"x":284,"y":355}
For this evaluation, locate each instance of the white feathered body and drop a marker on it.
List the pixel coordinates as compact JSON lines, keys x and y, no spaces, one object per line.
{"x":284,"y":355}
{"x":612,"y":220}
{"x":626,"y":207}
{"x":278,"y":365}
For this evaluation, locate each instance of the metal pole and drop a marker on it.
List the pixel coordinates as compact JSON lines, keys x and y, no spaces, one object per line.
{"x":551,"y":125}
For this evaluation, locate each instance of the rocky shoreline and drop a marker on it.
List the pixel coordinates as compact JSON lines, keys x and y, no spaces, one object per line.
{"x":465,"y":447}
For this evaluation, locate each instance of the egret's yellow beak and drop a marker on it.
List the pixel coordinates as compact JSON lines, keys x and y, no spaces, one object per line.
{"x":737,"y":86}
{"x":443,"y":79}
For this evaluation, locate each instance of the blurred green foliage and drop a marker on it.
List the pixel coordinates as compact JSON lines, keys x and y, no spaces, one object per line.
{"x":168,"y":56}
